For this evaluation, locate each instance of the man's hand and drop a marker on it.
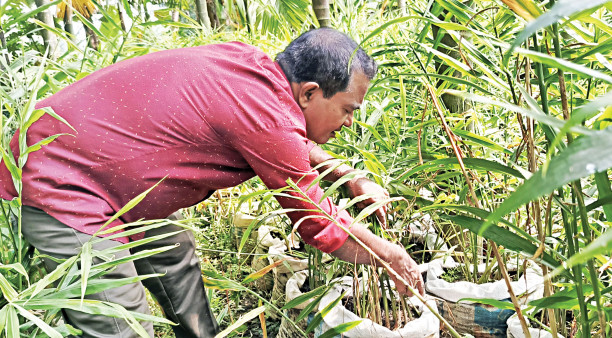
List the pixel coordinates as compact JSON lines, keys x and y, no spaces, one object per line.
{"x":363,"y":186}
{"x":408,"y":269}
{"x":394,"y":255}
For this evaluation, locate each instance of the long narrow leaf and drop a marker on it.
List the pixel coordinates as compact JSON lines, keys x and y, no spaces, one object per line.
{"x":586,"y":156}
{"x":248,"y":316}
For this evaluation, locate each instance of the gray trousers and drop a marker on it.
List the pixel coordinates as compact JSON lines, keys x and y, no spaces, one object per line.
{"x":180,"y":292}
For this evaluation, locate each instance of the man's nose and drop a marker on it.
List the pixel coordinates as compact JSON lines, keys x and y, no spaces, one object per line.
{"x":349,"y":120}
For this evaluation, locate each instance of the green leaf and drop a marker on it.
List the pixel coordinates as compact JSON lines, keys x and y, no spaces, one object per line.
{"x":214,"y":280}
{"x":453,"y":164}
{"x":501,"y":236}
{"x":482,"y":140}
{"x":57,"y":32}
{"x":3,"y":317}
{"x":586,"y":156}
{"x":38,"y":322}
{"x":370,"y":209}
{"x":534,"y":114}
{"x":319,"y":316}
{"x":17,"y":267}
{"x":304,"y":297}
{"x":133,"y":257}
{"x":94,"y":307}
{"x":51,"y":112}
{"x":601,"y":245}
{"x":129,"y":205}
{"x":86,"y":259}
{"x":258,"y":274}
{"x":128,"y":9}
{"x":583,"y":113}
{"x":38,"y":145}
{"x":481,"y":214}
{"x":559,"y":11}
{"x":248,"y":316}
{"x":7,"y":289}
{"x":344,"y":327}
{"x":500,"y":304}
{"x":30,"y":14}
{"x":605,"y":193}
{"x":566,"y":298}
{"x":12,"y":322}
{"x":96,"y":286}
{"x":51,"y":277}
{"x":565,"y":65}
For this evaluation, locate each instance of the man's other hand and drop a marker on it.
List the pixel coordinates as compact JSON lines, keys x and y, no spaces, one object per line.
{"x":363,"y":186}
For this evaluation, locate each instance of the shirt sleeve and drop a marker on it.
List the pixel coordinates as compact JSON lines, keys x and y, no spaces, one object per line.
{"x":277,"y":154}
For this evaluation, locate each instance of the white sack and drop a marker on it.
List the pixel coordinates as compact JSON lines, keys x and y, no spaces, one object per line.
{"x":428,"y":325}
{"x":531,"y":282}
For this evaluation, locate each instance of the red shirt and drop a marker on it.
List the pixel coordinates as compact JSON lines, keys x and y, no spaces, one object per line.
{"x":205,"y":118}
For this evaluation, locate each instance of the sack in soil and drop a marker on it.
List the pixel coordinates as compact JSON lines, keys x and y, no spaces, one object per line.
{"x":427,"y":325}
{"x":479,"y":319}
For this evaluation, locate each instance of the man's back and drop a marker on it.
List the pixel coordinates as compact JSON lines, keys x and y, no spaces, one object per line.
{"x":173,"y":114}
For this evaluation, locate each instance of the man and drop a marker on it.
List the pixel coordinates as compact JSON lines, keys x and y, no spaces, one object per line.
{"x":201,"y":118}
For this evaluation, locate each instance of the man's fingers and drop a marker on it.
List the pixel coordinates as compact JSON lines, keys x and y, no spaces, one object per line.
{"x":381,"y":214}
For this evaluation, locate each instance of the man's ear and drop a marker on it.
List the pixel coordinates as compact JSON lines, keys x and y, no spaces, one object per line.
{"x":305,"y":93}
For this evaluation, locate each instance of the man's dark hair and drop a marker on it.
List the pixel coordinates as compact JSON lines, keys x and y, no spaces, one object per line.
{"x":322,"y":56}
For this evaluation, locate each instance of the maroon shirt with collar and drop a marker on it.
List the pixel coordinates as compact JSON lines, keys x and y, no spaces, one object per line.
{"x":205,"y":118}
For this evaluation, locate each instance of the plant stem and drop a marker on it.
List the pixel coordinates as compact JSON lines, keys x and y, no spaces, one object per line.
{"x":569,"y":234}
{"x":586,"y":230}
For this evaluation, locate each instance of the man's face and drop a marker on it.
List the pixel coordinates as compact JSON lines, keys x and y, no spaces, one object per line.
{"x":326,"y":116}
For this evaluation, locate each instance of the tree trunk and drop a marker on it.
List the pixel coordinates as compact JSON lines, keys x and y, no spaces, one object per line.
{"x":401,"y":4}
{"x":92,"y":38}
{"x":4,"y":49}
{"x":448,"y":46}
{"x":212,"y":14}
{"x":48,"y":37}
{"x":68,"y":24}
{"x":121,"y":17}
{"x":321,"y":9}
{"x":202,"y":11}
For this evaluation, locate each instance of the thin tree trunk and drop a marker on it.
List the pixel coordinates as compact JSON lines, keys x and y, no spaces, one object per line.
{"x":92,"y":38}
{"x":121,"y":17}
{"x":68,"y":24}
{"x":202,"y":11}
{"x":454,"y":104}
{"x":401,"y":4}
{"x":212,"y":14}
{"x":48,"y":37}
{"x":4,"y":49}
{"x":321,"y":9}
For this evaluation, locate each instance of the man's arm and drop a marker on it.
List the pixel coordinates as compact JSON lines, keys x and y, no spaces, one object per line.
{"x":394,"y":255}
{"x":353,"y":252}
{"x":356,"y":187}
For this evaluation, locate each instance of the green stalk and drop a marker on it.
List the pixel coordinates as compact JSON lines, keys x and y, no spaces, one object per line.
{"x":578,"y":189}
{"x":577,"y":273}
{"x":586,"y":230}
{"x":383,"y":289}
{"x":396,"y":317}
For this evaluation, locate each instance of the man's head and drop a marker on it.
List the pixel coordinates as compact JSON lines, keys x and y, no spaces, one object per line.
{"x":317,"y":65}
